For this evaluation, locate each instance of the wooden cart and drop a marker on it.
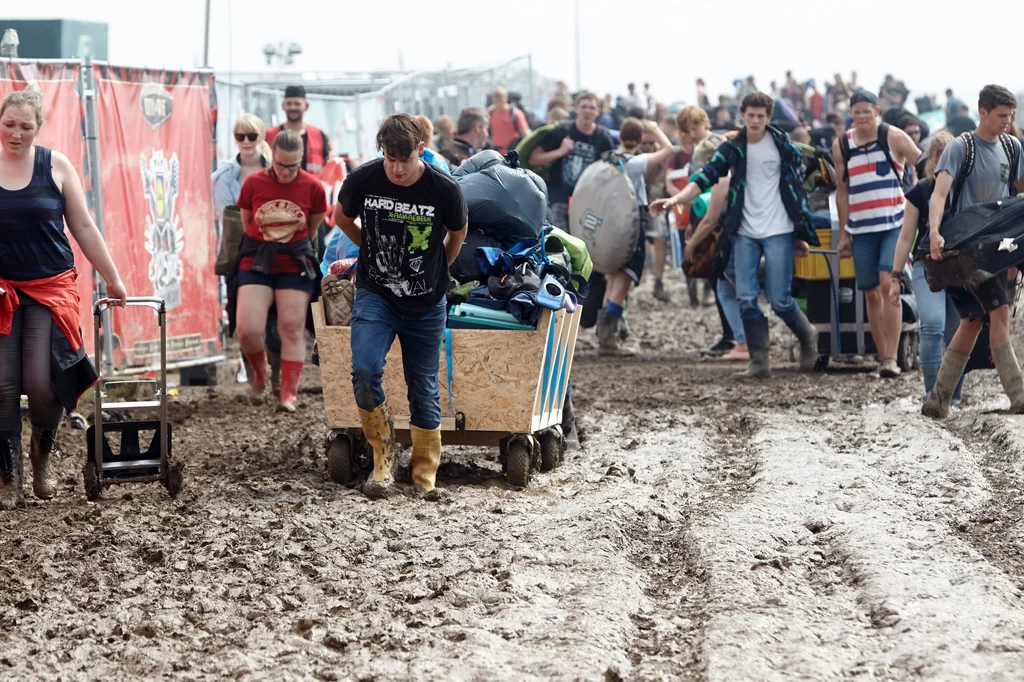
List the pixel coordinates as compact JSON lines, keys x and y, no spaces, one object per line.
{"x":507,"y":389}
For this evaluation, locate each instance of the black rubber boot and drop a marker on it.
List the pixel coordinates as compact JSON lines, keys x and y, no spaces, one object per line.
{"x":44,"y":444}
{"x":757,"y":342}
{"x":10,"y":470}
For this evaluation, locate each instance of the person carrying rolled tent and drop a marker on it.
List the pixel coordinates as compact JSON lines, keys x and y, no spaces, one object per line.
{"x":413,"y":220}
{"x":618,"y":284}
{"x":998,"y":172}
{"x":41,"y":348}
{"x":768,"y":215}
{"x":569,"y":149}
{"x":280,"y":208}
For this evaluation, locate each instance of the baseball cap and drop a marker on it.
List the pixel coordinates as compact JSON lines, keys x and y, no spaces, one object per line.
{"x":863,"y":96}
{"x":295,"y":91}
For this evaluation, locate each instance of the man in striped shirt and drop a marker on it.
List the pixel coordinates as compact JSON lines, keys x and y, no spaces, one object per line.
{"x":870,"y":201}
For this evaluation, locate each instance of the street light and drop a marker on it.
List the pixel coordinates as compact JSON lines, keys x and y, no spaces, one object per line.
{"x":284,"y":54}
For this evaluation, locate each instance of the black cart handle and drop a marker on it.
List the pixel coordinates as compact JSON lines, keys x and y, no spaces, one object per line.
{"x":153,"y":302}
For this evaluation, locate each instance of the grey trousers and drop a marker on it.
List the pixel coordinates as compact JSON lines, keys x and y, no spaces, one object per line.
{"x":25,"y":368}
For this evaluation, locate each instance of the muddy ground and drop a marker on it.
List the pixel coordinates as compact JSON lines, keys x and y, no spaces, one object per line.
{"x":804,"y":528}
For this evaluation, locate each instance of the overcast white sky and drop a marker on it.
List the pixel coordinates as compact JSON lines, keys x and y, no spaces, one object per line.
{"x":668,"y":43}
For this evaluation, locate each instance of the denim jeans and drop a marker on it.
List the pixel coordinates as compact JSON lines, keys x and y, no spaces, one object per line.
{"x":939,"y":322}
{"x":778,"y":256}
{"x":375,"y":324}
{"x":726,"y":287}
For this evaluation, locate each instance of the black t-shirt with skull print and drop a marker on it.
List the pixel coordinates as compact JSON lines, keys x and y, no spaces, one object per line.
{"x":402,"y":256}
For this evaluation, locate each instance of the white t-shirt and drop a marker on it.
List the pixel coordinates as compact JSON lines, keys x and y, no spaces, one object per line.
{"x":636,"y":167}
{"x":764,"y":214}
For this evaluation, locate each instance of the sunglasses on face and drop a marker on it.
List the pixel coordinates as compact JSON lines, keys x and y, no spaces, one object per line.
{"x":252,"y":137}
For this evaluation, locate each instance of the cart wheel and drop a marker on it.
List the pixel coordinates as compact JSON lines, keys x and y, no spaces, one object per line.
{"x":92,"y":481}
{"x":173,"y":481}
{"x":518,"y":463}
{"x":821,"y":364}
{"x":906,"y":354}
{"x":339,"y":458}
{"x":552,"y":449}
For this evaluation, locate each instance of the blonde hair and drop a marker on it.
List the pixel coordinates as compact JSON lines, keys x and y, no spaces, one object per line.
{"x":25,"y":98}
{"x":935,"y":149}
{"x":691,"y":117}
{"x":705,"y":149}
{"x":251,"y":123}
{"x":557,"y":115}
{"x":426,"y":129}
{"x":500,"y":94}
{"x":444,"y":126}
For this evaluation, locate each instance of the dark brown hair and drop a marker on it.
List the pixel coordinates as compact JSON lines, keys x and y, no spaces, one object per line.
{"x":631,"y":133}
{"x":288,"y":141}
{"x":399,"y":136}
{"x":757,"y":99}
{"x":992,"y":96}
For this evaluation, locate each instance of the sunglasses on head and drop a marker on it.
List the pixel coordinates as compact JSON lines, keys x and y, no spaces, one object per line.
{"x":252,"y":137}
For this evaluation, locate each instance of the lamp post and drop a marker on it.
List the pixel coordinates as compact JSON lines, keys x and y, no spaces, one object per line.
{"x":579,"y":77}
{"x":206,"y":37}
{"x":284,"y":54}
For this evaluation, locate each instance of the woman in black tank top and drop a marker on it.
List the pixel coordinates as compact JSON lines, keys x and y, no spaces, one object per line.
{"x":41,"y":351}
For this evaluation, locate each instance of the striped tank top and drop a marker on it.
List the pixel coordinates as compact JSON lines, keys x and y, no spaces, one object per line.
{"x":876,"y":195}
{"x":33,"y":243}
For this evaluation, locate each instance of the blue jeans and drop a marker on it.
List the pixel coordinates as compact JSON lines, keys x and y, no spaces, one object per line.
{"x":873,"y":252}
{"x":730,"y":303}
{"x":778,"y":257}
{"x":939,"y":322}
{"x":375,"y":324}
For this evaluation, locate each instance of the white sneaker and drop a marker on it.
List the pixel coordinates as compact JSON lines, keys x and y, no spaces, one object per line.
{"x":888,"y":369}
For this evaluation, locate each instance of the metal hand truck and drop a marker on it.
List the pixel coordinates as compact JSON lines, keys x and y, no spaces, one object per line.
{"x":130,"y":463}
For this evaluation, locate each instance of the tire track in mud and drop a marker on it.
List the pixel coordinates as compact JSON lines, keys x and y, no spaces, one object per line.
{"x":996,"y":528}
{"x":839,"y":561}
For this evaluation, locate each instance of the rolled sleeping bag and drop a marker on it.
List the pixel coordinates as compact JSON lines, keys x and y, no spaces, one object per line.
{"x":700,"y":205}
{"x":505,"y":202}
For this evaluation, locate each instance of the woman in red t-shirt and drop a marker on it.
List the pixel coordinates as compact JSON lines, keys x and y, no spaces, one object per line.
{"x":280,"y":207}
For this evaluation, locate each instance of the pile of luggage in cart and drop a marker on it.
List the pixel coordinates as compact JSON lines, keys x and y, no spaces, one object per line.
{"x":513,"y":315}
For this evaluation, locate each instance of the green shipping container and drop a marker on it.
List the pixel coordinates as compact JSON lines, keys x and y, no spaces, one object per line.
{"x":58,"y":38}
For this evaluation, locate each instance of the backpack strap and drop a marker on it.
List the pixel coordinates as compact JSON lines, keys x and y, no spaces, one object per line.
{"x":966,"y":168}
{"x":883,"y":144}
{"x":844,"y":151}
{"x":1011,"y":155}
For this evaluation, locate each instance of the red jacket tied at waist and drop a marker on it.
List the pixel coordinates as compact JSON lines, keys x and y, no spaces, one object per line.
{"x":58,"y":293}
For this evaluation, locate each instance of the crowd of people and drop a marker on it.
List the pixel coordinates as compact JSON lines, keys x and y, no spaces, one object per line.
{"x":397,"y":222}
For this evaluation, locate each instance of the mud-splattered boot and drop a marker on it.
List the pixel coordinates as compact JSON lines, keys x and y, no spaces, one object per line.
{"x":937,"y":404}
{"x":10,"y":470}
{"x":607,"y":330}
{"x":44,"y":444}
{"x":757,"y":343}
{"x":379,"y":431}
{"x":1009,"y":374}
{"x":274,"y":359}
{"x":426,"y":457}
{"x":659,"y":292}
{"x":807,"y":335}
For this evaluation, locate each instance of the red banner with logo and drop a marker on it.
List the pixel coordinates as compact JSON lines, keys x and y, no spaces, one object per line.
{"x":155,"y":133}
{"x":58,"y":85}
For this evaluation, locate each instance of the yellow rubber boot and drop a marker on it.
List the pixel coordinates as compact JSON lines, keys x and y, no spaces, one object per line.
{"x":379,"y":431}
{"x":426,"y":457}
